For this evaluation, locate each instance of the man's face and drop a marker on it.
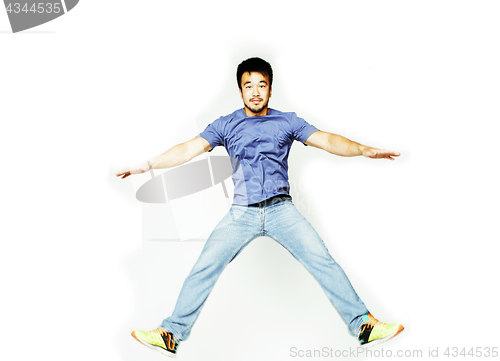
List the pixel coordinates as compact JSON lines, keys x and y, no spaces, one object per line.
{"x":255,"y":92}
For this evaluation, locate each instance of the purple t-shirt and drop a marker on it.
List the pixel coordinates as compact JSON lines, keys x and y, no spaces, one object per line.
{"x":259,"y":148}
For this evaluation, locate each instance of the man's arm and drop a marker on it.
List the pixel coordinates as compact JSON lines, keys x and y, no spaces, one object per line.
{"x":177,"y":155}
{"x":339,"y":145}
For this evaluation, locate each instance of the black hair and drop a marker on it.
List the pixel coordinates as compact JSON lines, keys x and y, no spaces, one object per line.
{"x":257,"y":65}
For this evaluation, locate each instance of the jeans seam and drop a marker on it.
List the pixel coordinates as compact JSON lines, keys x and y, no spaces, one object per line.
{"x":263,"y":221}
{"x":289,"y":251}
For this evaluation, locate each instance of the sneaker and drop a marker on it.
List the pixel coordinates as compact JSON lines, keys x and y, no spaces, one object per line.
{"x":373,"y":331}
{"x":159,"y":340}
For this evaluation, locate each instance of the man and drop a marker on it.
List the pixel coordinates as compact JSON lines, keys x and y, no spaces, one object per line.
{"x":258,"y":140}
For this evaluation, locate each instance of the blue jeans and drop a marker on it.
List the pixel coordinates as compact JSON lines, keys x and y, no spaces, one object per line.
{"x":283,"y":223}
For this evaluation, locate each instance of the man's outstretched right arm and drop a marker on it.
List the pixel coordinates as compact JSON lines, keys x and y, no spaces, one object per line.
{"x":177,"y":155}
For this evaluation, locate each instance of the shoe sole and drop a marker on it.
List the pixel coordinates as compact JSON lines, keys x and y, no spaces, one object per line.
{"x":382,"y":340}
{"x":153,"y":347}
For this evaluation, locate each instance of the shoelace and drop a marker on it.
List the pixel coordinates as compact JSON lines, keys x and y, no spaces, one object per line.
{"x":161,"y":331}
{"x":171,"y":340}
{"x":374,"y":322}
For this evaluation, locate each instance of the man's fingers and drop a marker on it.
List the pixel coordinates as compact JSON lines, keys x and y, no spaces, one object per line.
{"x":389,"y":154}
{"x":381,"y":153}
{"x":132,"y":170}
{"x":124,"y":173}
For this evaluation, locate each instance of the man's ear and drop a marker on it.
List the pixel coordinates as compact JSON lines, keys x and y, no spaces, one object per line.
{"x":241,"y":93}
{"x":270,"y":91}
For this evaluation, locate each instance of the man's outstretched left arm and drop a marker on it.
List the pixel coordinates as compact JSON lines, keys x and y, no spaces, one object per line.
{"x":339,"y":145}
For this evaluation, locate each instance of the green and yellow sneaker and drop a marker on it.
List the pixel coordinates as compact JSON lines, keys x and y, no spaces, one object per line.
{"x":159,"y":340}
{"x":373,"y":331}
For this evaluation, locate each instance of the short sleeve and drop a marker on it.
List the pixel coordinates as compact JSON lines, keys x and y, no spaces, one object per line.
{"x":301,"y":129}
{"x":213,"y":133}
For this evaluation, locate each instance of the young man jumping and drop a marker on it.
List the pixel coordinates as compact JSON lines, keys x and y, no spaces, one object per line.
{"x":258,"y":140}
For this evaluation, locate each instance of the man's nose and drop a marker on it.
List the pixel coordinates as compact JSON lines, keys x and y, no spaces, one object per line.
{"x":255,"y":91}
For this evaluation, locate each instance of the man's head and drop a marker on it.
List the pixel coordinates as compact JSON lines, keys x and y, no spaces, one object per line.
{"x":257,"y":65}
{"x":255,"y":77}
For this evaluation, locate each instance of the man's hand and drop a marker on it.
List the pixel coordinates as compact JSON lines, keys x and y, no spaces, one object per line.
{"x":375,"y":153}
{"x":339,"y":145}
{"x":138,"y":169}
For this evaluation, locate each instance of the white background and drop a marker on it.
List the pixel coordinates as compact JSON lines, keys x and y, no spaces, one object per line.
{"x":113,"y":83}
